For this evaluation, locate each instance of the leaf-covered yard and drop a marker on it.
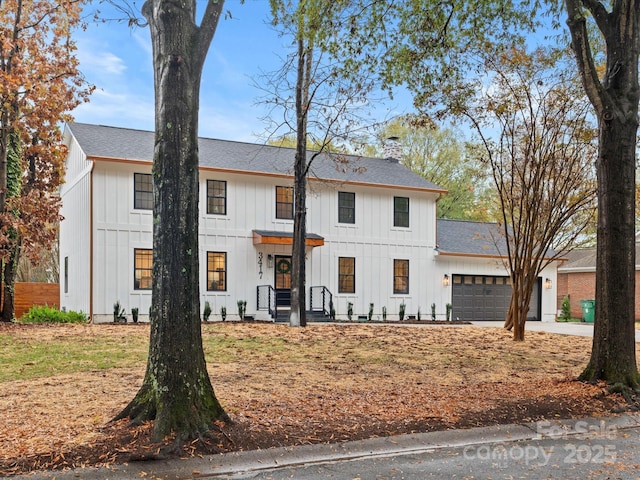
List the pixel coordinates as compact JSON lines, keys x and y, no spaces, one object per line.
{"x":60,"y":385}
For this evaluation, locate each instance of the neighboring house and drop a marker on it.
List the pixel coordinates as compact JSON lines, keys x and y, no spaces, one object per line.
{"x":371,"y":223}
{"x":577,"y":279}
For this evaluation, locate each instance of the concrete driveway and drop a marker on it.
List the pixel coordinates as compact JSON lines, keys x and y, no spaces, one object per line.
{"x":563,"y":328}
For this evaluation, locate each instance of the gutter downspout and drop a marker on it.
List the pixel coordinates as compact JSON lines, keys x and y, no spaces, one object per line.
{"x":93,"y":164}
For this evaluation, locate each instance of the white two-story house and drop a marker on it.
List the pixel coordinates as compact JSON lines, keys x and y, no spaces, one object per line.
{"x":373,"y":236}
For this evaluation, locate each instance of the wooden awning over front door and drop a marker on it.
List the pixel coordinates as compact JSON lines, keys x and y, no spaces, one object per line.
{"x":261,"y":237}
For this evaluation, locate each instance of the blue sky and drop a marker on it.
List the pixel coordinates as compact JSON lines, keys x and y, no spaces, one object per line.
{"x":117,"y":60}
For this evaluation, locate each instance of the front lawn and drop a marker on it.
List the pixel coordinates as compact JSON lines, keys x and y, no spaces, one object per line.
{"x":61,"y":384}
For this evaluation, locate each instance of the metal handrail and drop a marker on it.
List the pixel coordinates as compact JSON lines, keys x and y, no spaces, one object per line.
{"x":321,"y":299}
{"x":266,"y":300}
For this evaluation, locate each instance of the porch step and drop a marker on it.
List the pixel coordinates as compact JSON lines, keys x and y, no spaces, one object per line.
{"x":312,"y":316}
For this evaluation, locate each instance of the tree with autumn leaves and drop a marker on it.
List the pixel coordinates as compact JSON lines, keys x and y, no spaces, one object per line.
{"x":539,"y":140}
{"x":39,"y":85}
{"x":429,"y":48}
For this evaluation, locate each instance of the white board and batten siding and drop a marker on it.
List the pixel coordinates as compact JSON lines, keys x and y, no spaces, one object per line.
{"x":373,"y":241}
{"x":75,"y":236}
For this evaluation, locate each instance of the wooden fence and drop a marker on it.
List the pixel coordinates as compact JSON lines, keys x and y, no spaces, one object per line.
{"x":29,"y":294}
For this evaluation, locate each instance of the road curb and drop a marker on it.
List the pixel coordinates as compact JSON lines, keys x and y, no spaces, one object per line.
{"x":239,"y":463}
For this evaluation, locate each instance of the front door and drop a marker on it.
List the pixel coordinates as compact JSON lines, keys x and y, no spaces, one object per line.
{"x":283,"y":281}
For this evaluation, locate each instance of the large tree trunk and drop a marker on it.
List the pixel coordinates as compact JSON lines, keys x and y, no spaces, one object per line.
{"x":615,"y":99}
{"x":613,"y":356}
{"x":9,"y":273}
{"x":176,"y":389}
{"x":297,"y":316}
{"x":298,"y":262}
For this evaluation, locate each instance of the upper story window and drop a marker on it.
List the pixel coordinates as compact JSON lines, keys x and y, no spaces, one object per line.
{"x":142,"y":191}
{"x":143,"y":264}
{"x":284,"y":203}
{"x":346,"y":275}
{"x":217,"y":197}
{"x":400,"y":212}
{"x":216,"y":271}
{"x":346,"y":207}
{"x":401,"y":276}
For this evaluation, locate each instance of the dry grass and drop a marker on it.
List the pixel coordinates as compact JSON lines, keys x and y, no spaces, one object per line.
{"x":285,"y":386}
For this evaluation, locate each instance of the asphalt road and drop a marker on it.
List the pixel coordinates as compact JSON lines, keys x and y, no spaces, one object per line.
{"x":609,"y":454}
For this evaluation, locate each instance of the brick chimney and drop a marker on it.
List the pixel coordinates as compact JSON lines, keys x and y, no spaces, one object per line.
{"x":393,"y":149}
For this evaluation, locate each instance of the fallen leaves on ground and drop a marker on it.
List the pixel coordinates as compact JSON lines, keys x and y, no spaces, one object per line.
{"x":323,"y":383}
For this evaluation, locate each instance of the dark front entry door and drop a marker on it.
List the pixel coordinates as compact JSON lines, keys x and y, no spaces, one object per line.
{"x":283,"y":281}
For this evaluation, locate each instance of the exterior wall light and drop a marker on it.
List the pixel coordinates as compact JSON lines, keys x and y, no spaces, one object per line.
{"x":269,"y":261}
{"x":547,"y":283}
{"x":445,"y":280}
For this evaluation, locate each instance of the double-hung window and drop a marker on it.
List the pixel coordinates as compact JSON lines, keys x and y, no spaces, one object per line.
{"x":400,"y":212}
{"x":217,"y":271}
{"x":401,"y":276}
{"x":346,"y":207}
{"x":142,"y":191}
{"x":346,"y":275}
{"x":143,"y":263}
{"x":216,"y":197}
{"x":284,"y":203}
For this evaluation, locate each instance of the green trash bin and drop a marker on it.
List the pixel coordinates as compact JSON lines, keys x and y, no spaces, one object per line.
{"x":588,"y":310}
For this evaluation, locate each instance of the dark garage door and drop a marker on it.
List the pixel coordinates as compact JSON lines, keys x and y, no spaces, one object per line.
{"x":479,"y":297}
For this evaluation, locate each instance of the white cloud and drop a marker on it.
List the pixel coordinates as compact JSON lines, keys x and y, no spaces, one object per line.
{"x":96,"y":61}
{"x":117,"y":109}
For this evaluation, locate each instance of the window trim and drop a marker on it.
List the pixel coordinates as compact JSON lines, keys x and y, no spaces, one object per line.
{"x":212,"y":182}
{"x":137,"y":201}
{"x":348,"y":210}
{"x":346,"y":276}
{"x":136,"y":269}
{"x":212,"y":270}
{"x":284,"y":204}
{"x":397,"y":213}
{"x":396,"y":276}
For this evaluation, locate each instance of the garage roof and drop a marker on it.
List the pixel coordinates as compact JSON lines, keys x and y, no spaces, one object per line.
{"x":468,"y":238}
{"x":463,"y":237}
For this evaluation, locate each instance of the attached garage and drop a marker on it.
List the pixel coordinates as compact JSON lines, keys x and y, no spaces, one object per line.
{"x":482,"y":297}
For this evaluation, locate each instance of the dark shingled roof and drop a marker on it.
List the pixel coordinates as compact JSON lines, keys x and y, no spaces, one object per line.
{"x":580,"y":258}
{"x":470,"y":238}
{"x":584,"y":259}
{"x":124,"y":143}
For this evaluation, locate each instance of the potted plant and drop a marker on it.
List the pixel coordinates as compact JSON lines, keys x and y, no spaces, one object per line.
{"x":134,"y":314}
{"x":242,"y":308}
{"x":401,"y":312}
{"x":118,"y":313}
{"x":206,"y":312}
{"x":349,"y":310}
{"x":384,"y":314}
{"x":370,"y":311}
